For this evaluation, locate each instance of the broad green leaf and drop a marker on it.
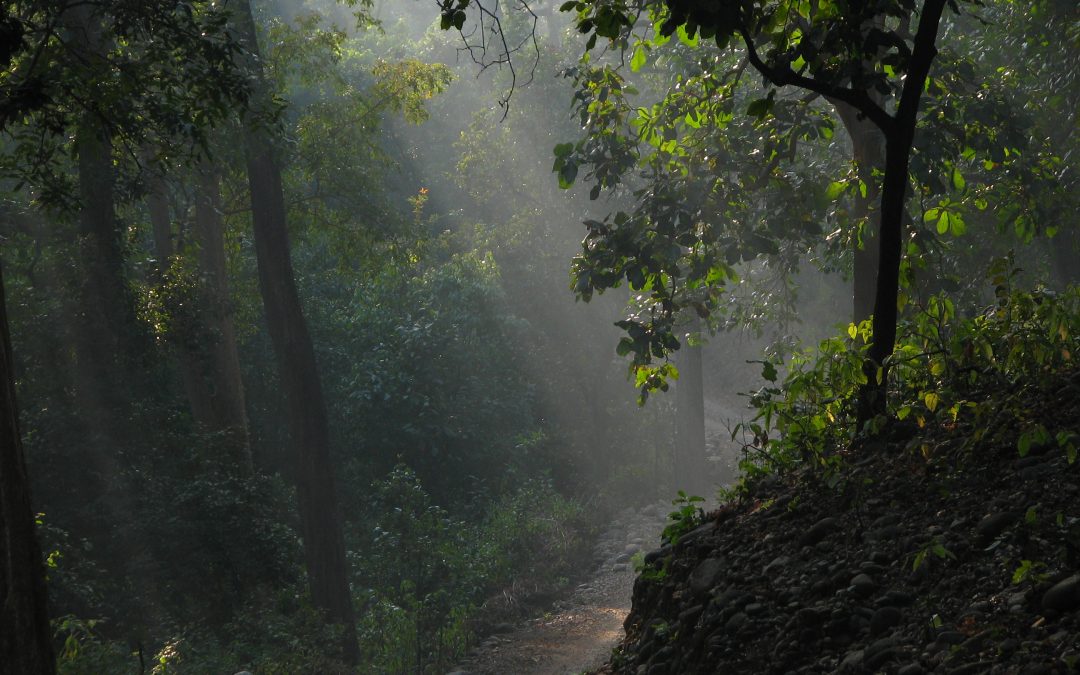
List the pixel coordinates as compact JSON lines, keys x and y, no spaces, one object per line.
{"x":943,"y":222}
{"x":958,"y":180}
{"x":931,"y":399}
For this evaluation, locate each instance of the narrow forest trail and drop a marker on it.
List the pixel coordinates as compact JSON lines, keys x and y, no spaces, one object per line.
{"x":578,"y":633}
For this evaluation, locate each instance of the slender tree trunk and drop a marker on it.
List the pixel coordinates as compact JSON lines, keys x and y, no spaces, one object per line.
{"x":691,"y":466}
{"x":25,"y":636}
{"x":868,"y":147}
{"x":898,"y":143}
{"x":321,"y":528}
{"x":209,"y":367}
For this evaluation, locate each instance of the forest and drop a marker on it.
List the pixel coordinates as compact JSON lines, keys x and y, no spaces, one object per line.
{"x":376,"y":336}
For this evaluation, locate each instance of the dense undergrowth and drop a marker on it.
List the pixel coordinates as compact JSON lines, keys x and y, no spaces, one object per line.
{"x":964,"y":370}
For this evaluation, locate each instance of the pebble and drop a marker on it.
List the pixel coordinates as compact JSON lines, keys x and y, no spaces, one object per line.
{"x":1063,"y":596}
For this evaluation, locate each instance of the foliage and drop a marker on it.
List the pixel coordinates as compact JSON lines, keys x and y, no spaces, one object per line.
{"x":684,"y":518}
{"x":952,"y":369}
{"x":426,"y":573}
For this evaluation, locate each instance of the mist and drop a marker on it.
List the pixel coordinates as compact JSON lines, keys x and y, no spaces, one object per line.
{"x":402,"y":337}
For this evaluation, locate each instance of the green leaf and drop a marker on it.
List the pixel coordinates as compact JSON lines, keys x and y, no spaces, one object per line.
{"x":768,"y":371}
{"x":760,"y":108}
{"x":958,"y":180}
{"x":567,"y":175}
{"x":957,"y":227}
{"x":685,"y":38}
{"x":835,"y":189}
{"x":931,"y":399}
{"x":943,"y":222}
{"x":638,"y":59}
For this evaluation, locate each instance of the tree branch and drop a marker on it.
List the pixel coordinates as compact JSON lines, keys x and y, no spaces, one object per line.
{"x":923,"y":52}
{"x":859,"y":100}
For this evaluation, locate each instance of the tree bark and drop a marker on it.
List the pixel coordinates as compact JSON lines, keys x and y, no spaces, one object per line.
{"x":25,"y":636}
{"x":691,"y":466}
{"x":321,"y":528}
{"x":208,"y":357}
{"x":868,"y":145}
{"x":106,"y":311}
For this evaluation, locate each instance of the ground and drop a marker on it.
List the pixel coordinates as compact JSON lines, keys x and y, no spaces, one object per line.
{"x":578,"y":632}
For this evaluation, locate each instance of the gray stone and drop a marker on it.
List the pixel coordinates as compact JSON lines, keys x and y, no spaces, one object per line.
{"x":737,"y":621}
{"x":884,"y":619}
{"x":809,"y":617}
{"x":705,"y":575}
{"x":863,"y":584}
{"x":911,"y":669}
{"x":991,"y":526}
{"x":852,"y":662}
{"x":896,"y":599}
{"x":655,"y":556}
{"x":879,"y":646}
{"x":1063,"y":596}
{"x":777,"y":563}
{"x":819,"y":531}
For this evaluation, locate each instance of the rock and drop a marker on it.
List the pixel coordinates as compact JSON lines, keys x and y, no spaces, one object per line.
{"x":736,"y":622}
{"x":1035,"y":471}
{"x":819,"y":531}
{"x":852,"y":662}
{"x":991,"y":526}
{"x":972,"y":668}
{"x":502,"y":628}
{"x":884,"y":619}
{"x":705,"y":575}
{"x":660,"y":553}
{"x":895,"y":599}
{"x":879,"y":646}
{"x":690,"y":615}
{"x":1063,"y":596}
{"x":777,"y":563}
{"x":809,"y":617}
{"x":696,"y":533}
{"x":911,"y":669}
{"x":863,"y":584}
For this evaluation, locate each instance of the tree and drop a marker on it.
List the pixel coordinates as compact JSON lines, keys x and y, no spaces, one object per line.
{"x":320,"y":517}
{"x":850,"y":55}
{"x":25,"y":635}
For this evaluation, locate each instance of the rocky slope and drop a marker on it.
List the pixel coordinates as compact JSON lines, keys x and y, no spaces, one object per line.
{"x":924,"y":553}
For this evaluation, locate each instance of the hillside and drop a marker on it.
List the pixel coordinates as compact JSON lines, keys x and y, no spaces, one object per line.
{"x":950,"y":548}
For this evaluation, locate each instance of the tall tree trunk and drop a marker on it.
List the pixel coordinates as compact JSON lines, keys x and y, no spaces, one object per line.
{"x":25,"y":637}
{"x":106,"y":313}
{"x":321,"y":528}
{"x":691,"y":467}
{"x":868,"y":149}
{"x":209,"y":360}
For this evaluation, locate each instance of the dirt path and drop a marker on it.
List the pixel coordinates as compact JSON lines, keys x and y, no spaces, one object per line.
{"x":579,"y":633}
{"x":577,"y":638}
